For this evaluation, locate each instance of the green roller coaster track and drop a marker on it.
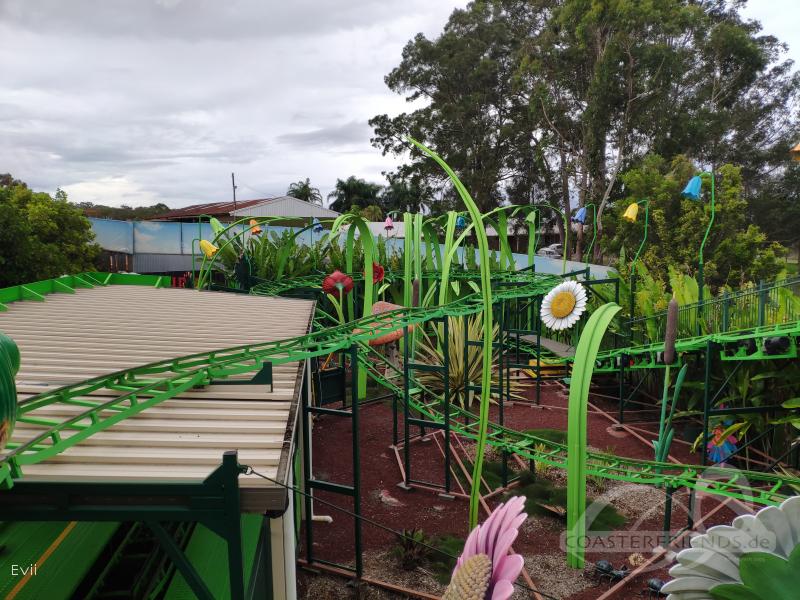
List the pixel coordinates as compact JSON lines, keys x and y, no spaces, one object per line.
{"x":146,"y":386}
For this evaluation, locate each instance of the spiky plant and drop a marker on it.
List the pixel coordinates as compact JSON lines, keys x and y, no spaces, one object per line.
{"x":431,"y":352}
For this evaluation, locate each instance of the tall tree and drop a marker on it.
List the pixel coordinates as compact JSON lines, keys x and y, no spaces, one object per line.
{"x":354,"y":192}
{"x":551,"y":100}
{"x":303,"y":190}
{"x":40,"y":236}
{"x":736,"y":252}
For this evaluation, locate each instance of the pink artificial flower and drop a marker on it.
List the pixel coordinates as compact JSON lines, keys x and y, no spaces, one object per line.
{"x":337,"y":281}
{"x":493,"y":539}
{"x":388,"y":224}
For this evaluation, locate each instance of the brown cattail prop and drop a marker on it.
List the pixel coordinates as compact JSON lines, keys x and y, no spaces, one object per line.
{"x":415,"y":292}
{"x":671,"y":333}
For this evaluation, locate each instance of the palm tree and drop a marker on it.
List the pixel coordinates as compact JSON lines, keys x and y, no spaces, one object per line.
{"x":302,"y":190}
{"x":354,"y":191}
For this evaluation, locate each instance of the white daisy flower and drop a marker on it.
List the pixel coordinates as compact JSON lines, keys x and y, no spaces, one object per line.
{"x":714,"y":556}
{"x":563,"y":305}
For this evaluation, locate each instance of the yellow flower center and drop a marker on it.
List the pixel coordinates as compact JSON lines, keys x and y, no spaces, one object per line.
{"x":562,"y":304}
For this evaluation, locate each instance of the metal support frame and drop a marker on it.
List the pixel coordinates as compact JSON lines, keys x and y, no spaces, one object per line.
{"x":410,"y":389}
{"x":310,"y":483}
{"x":213,"y":502}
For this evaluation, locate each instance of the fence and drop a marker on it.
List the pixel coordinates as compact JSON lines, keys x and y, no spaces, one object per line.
{"x":771,"y":303}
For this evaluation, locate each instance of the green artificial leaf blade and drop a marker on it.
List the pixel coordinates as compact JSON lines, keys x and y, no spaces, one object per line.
{"x":768,"y":575}
{"x":733,"y":591}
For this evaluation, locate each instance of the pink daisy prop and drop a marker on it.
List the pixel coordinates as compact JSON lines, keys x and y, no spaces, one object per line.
{"x":485,"y":569}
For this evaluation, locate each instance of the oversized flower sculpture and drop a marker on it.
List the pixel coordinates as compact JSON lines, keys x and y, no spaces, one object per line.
{"x":757,"y":557}
{"x":485,"y":570}
{"x":337,"y":283}
{"x":563,"y":305}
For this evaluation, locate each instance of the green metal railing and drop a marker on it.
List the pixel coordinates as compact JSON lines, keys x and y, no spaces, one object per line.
{"x":766,"y":304}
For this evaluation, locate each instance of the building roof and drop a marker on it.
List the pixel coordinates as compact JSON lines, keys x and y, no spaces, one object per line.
{"x":280,"y":206}
{"x":69,"y":338}
{"x":284,"y":206}
{"x":211,"y":209}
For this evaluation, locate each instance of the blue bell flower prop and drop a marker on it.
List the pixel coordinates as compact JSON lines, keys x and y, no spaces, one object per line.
{"x":580,"y":216}
{"x":461,"y":222}
{"x":316,"y":226}
{"x":693,"y":188}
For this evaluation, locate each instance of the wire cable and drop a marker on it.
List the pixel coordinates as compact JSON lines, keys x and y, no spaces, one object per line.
{"x":248,"y":470}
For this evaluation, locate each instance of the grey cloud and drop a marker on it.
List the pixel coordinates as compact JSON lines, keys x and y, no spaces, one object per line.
{"x":196,"y":19}
{"x":341,"y":135}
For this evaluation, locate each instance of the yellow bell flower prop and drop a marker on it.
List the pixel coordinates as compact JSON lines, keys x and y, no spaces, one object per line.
{"x":631,"y":212}
{"x":208,"y":248}
{"x":795,"y":153}
{"x":254,"y":228}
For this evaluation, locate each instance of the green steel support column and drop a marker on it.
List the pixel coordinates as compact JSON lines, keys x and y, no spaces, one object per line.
{"x":446,"y":398}
{"x":667,"y":516}
{"x":233,"y":525}
{"x":182,"y":563}
{"x":706,"y":401}
{"x":725,"y":311}
{"x":406,"y":413}
{"x":500,"y":388}
{"x":585,"y":355}
{"x":538,"y":317}
{"x":307,"y":500}
{"x":621,"y":416}
{"x":356,"y":465}
{"x":700,"y":276}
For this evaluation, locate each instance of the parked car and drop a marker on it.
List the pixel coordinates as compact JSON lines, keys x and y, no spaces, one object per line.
{"x":551,"y":251}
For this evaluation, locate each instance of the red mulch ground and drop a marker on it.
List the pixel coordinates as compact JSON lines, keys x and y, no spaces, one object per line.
{"x":332,"y":451}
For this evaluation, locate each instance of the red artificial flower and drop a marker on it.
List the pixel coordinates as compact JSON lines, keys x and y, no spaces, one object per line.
{"x":337,"y":281}
{"x":377,"y":273}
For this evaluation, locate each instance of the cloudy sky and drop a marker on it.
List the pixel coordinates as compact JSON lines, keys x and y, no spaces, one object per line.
{"x":144,"y":101}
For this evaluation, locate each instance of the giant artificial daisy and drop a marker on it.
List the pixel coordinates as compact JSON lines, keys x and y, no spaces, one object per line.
{"x":563,"y":305}
{"x":754,"y":558}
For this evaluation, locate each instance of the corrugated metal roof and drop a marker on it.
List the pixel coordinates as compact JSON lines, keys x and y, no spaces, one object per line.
{"x":285,"y":206}
{"x":211,"y":208}
{"x":280,"y":206}
{"x":72,"y":337}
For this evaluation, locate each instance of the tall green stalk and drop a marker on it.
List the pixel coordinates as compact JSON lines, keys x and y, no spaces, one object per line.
{"x":582,"y":369}
{"x":486,"y":293}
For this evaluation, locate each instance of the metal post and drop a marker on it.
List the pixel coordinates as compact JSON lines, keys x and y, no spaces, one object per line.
{"x":762,"y":304}
{"x":668,"y":516}
{"x":621,"y":416}
{"x":500,"y":388}
{"x":446,"y":378}
{"x":306,"y":430}
{"x":230,"y":465}
{"x":406,"y":416}
{"x":726,"y":301}
{"x":706,"y":401}
{"x":539,"y":350}
{"x":356,"y":461}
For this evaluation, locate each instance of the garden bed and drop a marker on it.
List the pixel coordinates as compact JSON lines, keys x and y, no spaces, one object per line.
{"x":540,"y":536}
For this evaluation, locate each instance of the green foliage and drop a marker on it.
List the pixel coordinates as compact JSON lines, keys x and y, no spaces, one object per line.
{"x":410,"y":550}
{"x":442,"y":563}
{"x":122,"y":213}
{"x":553,"y":435}
{"x":764,"y":577}
{"x":552,"y":98}
{"x":736,"y":252}
{"x":353,"y":192}
{"x":41,"y":236}
{"x":429,"y":351}
{"x":303,"y":190}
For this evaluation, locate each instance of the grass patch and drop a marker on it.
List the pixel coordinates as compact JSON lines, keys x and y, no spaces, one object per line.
{"x":539,"y":493}
{"x":551,"y":435}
